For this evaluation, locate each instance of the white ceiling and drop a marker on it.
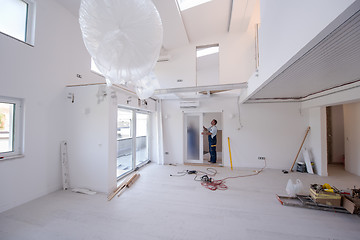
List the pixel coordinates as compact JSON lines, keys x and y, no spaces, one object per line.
{"x":194,"y":24}
{"x":207,"y":20}
{"x":332,"y":62}
{"x":211,"y":19}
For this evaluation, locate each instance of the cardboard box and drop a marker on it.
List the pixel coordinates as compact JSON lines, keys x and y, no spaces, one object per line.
{"x":326,"y":198}
{"x":351,"y":204}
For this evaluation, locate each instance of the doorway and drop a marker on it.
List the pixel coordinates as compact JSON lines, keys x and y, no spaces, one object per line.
{"x":207,"y":118}
{"x":335,"y":135}
{"x":132,"y":140}
{"x":196,"y":145}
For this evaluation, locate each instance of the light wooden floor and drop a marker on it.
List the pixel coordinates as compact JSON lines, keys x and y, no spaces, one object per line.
{"x":158,"y":206}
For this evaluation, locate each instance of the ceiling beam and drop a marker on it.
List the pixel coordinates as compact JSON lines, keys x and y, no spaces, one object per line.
{"x":222,"y":87}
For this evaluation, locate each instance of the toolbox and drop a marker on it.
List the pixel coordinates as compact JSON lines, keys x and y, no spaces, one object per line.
{"x":323,"y":197}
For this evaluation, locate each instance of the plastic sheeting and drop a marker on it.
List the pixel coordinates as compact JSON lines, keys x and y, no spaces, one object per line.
{"x":124,"y":38}
{"x":146,"y":86}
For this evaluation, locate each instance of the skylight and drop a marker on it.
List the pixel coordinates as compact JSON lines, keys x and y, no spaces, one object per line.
{"x":186,"y":4}
{"x":201,"y":52}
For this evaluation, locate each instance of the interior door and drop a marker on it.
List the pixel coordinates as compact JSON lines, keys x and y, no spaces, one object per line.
{"x":193,"y":140}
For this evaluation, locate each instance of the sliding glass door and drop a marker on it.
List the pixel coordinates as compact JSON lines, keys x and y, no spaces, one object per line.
{"x":142,"y":139}
{"x":132,"y":140}
{"x":124,"y":141}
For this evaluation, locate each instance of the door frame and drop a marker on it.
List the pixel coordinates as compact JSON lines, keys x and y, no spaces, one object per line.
{"x":201,"y":142}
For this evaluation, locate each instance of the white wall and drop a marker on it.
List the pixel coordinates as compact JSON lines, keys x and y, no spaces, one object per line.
{"x":286,"y":27}
{"x":91,"y":138}
{"x":271,"y":130}
{"x":352,"y":137}
{"x":91,"y":129}
{"x":236,"y":61}
{"x":208,"y":76}
{"x":39,"y":74}
{"x":316,"y":142}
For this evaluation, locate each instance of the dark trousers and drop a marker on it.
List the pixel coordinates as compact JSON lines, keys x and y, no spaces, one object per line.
{"x":212,"y":148}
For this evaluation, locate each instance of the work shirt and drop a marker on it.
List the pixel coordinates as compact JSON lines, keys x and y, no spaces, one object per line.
{"x":213,"y":130}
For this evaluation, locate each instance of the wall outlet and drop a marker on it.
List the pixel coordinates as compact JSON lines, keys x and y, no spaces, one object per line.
{"x":261,"y":158}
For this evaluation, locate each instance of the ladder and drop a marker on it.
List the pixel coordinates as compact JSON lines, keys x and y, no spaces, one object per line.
{"x":64,"y":165}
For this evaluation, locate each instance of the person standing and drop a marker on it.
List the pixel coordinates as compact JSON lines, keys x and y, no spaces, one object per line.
{"x":211,"y":132}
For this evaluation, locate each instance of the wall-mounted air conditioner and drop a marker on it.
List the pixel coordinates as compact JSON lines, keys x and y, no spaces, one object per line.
{"x":189,"y":104}
{"x":164,"y":58}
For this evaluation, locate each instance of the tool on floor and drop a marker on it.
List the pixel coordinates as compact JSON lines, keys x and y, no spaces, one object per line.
{"x":292,"y":166}
{"x":307,"y":202}
{"x":324,"y":197}
{"x":230,"y":154}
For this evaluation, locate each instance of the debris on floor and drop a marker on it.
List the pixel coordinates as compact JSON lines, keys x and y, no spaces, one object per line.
{"x":83,"y":190}
{"x":327,"y":198}
{"x":128,"y":182}
{"x":207,"y":178}
{"x":325,"y":194}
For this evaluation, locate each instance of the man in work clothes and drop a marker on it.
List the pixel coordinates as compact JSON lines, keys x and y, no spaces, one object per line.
{"x":211,"y":132}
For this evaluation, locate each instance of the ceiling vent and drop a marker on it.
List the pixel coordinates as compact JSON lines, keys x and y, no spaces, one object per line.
{"x":189,"y":104}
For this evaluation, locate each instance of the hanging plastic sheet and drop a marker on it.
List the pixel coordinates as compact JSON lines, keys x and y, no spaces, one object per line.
{"x":124,"y":37}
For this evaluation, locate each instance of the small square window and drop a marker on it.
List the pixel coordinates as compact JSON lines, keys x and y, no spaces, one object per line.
{"x":202,"y":51}
{"x":186,"y":4}
{"x":11,"y":130}
{"x":17,"y":19}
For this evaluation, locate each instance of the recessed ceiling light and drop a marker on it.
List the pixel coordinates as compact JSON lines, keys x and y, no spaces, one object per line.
{"x":186,"y":4}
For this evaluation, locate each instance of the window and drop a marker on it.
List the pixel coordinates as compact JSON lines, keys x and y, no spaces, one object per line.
{"x":17,"y":19}
{"x":11,"y":127}
{"x":207,"y":50}
{"x":207,"y":65}
{"x":186,"y":4}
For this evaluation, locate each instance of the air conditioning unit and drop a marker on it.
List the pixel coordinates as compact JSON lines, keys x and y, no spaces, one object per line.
{"x":164,"y":58}
{"x":189,"y":104}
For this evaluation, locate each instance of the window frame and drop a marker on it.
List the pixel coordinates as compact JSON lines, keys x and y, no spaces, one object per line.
{"x":18,"y":126}
{"x":30,"y":24}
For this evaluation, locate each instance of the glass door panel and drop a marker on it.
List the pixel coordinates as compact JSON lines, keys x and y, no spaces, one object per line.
{"x":193,"y":145}
{"x":124,"y":141}
{"x":142,"y":139}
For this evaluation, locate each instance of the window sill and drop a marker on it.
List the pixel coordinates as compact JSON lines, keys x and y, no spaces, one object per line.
{"x":21,"y":41}
{"x":11,"y":157}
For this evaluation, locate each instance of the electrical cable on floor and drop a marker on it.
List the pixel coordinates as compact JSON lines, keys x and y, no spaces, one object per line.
{"x":220,"y":184}
{"x":211,"y":172}
{"x":211,"y":183}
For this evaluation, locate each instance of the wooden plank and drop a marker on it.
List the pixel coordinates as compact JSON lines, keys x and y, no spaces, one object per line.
{"x":307,"y":132}
{"x":133,"y":180}
{"x":121,"y":186}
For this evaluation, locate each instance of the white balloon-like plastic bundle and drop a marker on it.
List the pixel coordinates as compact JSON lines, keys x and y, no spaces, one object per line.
{"x":146,"y":86}
{"x":123,"y":37}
